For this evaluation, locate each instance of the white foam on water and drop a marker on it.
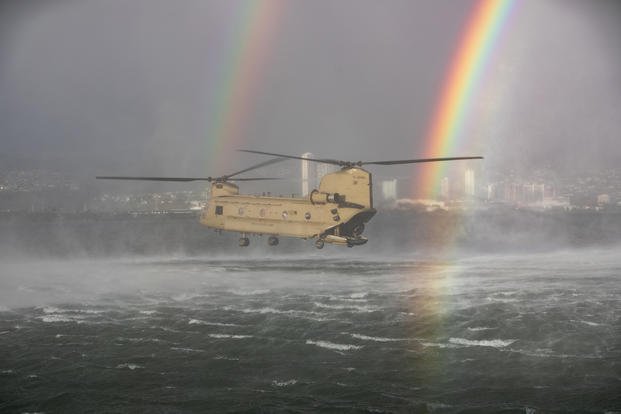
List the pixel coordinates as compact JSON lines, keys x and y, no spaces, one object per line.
{"x":359,"y":295}
{"x":356,"y":308}
{"x":227,"y":336}
{"x":260,"y":310}
{"x":333,"y":346}
{"x":4,"y":332}
{"x":51,"y":309}
{"x":183,"y":297}
{"x":480,"y":328}
{"x":166,"y":329}
{"x":438,"y":345}
{"x":284,"y":383}
{"x":293,"y":313}
{"x":225,"y":358}
{"x":200,"y":322}
{"x":589,"y":323}
{"x":54,"y":318}
{"x":87,"y":311}
{"x":502,"y":300}
{"x":346,"y":299}
{"x":179,"y":349}
{"x":376,"y":338}
{"x":54,"y":310}
{"x":6,"y":371}
{"x":148,"y":312}
{"x":128,"y":365}
{"x":548,"y":353}
{"x":138,"y":340}
{"x":249,"y":292}
{"x":494,"y":343}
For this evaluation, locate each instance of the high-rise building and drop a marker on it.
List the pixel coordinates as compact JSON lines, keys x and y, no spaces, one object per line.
{"x":445,"y":189}
{"x":321,"y":170}
{"x":469,"y":189}
{"x":389,"y":189}
{"x":306,"y":173}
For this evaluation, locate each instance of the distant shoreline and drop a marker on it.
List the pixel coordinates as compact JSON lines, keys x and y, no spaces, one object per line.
{"x":88,"y":234}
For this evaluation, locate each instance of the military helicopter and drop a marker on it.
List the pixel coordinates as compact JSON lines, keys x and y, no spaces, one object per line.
{"x":334,"y":213}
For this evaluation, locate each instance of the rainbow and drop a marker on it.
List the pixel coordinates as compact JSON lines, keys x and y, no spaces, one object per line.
{"x":463,"y":78}
{"x":248,"y":49}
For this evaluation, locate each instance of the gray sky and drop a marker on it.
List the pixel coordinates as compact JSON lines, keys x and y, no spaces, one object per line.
{"x":131,"y":87}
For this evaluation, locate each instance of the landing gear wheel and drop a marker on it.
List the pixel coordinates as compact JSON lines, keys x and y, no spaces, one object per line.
{"x":319,"y":243}
{"x":244,"y":241}
{"x":272,"y":241}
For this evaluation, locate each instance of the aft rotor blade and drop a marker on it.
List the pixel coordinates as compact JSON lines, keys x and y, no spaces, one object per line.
{"x":394,"y":162}
{"x":254,"y":167}
{"x":322,"y":160}
{"x":182,"y":179}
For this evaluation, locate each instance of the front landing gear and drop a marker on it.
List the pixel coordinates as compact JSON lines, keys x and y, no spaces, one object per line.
{"x":319,"y":243}
{"x":244,"y":241}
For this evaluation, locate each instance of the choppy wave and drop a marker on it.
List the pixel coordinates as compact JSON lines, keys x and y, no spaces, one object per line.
{"x":589,"y":323}
{"x":333,"y":346}
{"x":188,"y":350}
{"x":225,"y":358}
{"x":53,"y":310}
{"x":375,"y":338}
{"x":349,"y":308}
{"x":495,"y":343}
{"x":254,"y":292}
{"x":148,"y":312}
{"x":284,"y":383}
{"x":201,"y":322}
{"x":130,"y":366}
{"x":315,"y":316}
{"x":227,"y":336}
{"x":359,"y":295}
{"x":53,"y":318}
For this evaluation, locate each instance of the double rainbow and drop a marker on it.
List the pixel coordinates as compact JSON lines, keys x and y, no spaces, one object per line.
{"x":463,"y":78}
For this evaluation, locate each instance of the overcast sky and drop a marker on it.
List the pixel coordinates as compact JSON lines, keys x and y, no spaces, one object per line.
{"x":131,"y":87}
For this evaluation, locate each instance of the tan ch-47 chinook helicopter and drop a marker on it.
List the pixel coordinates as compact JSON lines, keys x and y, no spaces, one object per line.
{"x":334,"y":213}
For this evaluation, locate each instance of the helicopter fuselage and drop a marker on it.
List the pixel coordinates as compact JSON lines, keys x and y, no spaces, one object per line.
{"x":334,"y":213}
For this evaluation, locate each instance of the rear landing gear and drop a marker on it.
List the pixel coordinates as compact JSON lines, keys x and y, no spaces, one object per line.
{"x":357,"y":230}
{"x":272,"y":241}
{"x":319,"y":243}
{"x":244,"y":241}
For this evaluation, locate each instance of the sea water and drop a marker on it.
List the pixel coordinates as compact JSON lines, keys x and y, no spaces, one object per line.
{"x":525,"y":333}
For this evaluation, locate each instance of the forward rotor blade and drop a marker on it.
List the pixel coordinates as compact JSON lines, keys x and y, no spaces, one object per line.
{"x":182,"y":179}
{"x":254,"y":167}
{"x":322,"y":160}
{"x":394,"y":162}
{"x":253,"y":179}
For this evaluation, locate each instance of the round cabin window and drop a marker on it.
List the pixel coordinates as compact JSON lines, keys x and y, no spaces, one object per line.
{"x":307,"y":216}
{"x":285,"y":215}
